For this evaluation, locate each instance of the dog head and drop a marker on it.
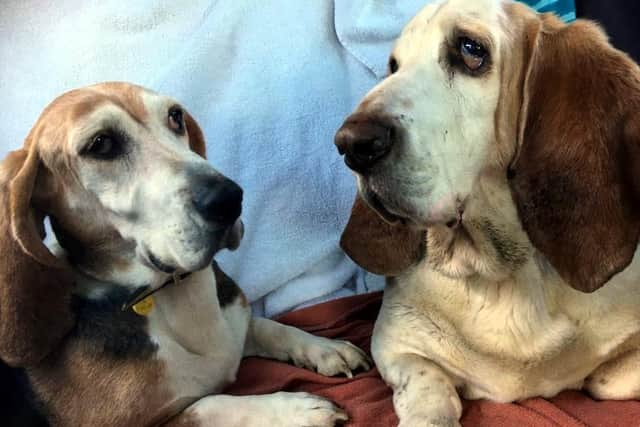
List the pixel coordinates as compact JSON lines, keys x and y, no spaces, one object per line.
{"x":490,"y":91}
{"x":120,"y":172}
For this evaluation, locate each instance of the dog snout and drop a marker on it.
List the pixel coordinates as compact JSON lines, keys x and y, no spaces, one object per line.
{"x":218,"y":200}
{"x":365,"y":139}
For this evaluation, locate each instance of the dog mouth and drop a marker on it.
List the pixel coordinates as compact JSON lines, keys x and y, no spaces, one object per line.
{"x":159,"y":265}
{"x":228,"y":238}
{"x":375,"y":202}
{"x":447,"y":210}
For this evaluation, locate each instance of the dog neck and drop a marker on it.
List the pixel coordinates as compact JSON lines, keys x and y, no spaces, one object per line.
{"x":488,"y":243}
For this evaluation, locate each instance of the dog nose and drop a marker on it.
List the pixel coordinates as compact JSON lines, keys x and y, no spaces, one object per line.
{"x":219,"y":201}
{"x":364,"y":140}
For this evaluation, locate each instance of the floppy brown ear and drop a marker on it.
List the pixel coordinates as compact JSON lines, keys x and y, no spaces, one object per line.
{"x":576,"y":178}
{"x":196,"y":137}
{"x":35,"y":287}
{"x":378,"y":246}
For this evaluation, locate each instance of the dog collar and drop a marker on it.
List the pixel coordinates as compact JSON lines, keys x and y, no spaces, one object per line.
{"x":142,"y":299}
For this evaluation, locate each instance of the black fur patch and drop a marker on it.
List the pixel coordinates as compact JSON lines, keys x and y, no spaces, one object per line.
{"x":17,"y":405}
{"x":228,"y":290}
{"x":109,"y":331}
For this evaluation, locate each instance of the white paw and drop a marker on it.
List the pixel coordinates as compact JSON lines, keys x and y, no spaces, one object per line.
{"x":439,"y":410}
{"x":427,"y":421}
{"x":306,"y":410}
{"x":613,"y":387}
{"x":329,"y":357}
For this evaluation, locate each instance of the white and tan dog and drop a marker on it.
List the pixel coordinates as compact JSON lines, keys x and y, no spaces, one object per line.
{"x":503,"y":151}
{"x":120,"y":172}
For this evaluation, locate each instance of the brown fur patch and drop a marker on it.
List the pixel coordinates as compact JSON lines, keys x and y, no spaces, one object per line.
{"x":35,"y":288}
{"x":77,"y":389}
{"x":196,"y":137}
{"x":575,"y":179}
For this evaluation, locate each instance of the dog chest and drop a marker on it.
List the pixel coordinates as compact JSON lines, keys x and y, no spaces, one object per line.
{"x":489,"y":350}
{"x":200,"y":343}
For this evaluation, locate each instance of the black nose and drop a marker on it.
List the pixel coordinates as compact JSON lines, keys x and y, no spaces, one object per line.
{"x":218,"y":200}
{"x":365,"y":139}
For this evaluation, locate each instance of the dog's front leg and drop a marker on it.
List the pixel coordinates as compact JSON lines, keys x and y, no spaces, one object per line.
{"x":278,"y":409}
{"x":423,"y":394}
{"x":273,"y":340}
{"x":617,"y":379}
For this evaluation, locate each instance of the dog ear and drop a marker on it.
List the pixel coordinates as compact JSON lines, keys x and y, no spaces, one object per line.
{"x":380,"y":247}
{"x":576,"y":176}
{"x":35,"y":287}
{"x":196,"y":137}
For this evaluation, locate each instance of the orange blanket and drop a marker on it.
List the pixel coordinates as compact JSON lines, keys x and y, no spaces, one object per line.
{"x":368,"y":399}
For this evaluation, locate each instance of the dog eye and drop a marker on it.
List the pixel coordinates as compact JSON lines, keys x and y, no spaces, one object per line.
{"x":473,"y":53}
{"x":393,"y":65}
{"x":176,"y":120}
{"x":103,"y":146}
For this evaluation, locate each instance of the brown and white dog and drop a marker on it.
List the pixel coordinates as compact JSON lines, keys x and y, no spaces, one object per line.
{"x":120,"y":171}
{"x":503,"y":152}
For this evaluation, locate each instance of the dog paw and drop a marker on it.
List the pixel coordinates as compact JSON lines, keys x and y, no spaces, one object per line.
{"x":427,"y":421}
{"x":431,"y":412}
{"x":330,"y":357}
{"x":307,"y":410}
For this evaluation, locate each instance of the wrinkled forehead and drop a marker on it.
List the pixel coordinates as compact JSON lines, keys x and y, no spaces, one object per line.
{"x":480,"y":18}
{"x":482,"y":12}
{"x":80,"y":110}
{"x":129,"y":98}
{"x":81,"y":103}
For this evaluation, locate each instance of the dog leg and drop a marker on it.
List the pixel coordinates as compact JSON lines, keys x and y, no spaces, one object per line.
{"x":617,"y":379}
{"x":279,"y":409}
{"x":273,"y":340}
{"x":423,"y":394}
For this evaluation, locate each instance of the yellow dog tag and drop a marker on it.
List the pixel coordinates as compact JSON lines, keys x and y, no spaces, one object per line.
{"x":144,"y":307}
